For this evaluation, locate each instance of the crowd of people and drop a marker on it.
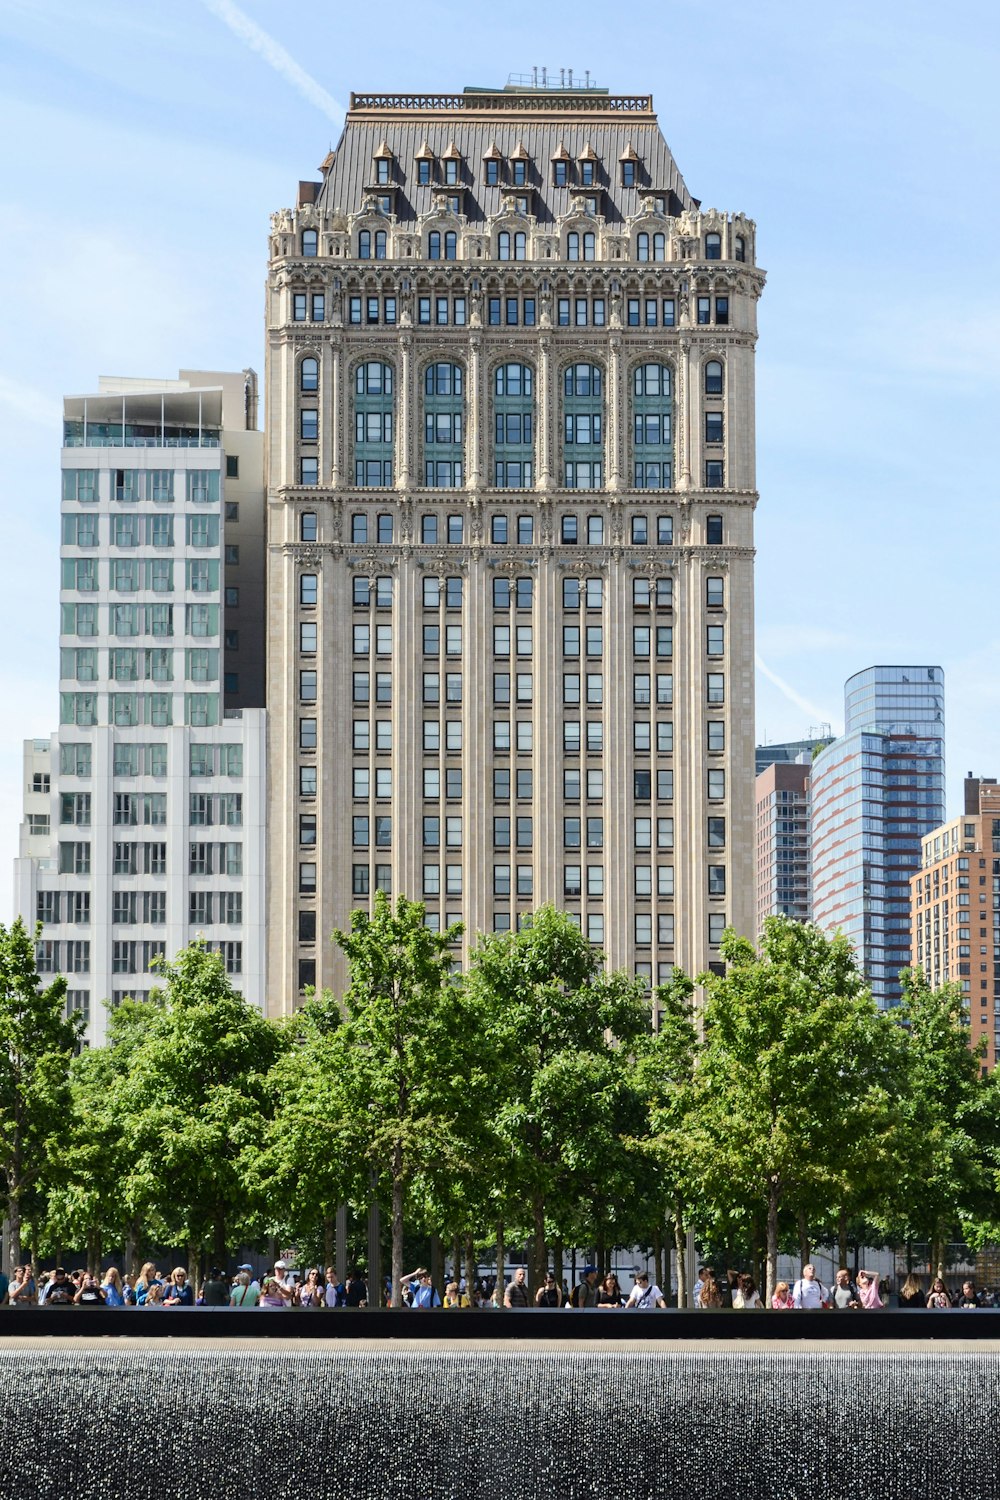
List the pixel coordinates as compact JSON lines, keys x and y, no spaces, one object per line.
{"x":283,"y":1286}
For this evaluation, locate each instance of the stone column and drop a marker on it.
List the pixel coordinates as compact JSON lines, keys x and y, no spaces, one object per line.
{"x":404,"y":407}
{"x":544,"y":414}
{"x":473,"y":406}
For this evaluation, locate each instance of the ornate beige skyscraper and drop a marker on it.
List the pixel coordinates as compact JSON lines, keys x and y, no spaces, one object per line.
{"x":510,"y":395}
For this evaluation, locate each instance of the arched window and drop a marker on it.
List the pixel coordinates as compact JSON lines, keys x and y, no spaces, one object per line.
{"x":659,"y":247}
{"x":444,"y":422}
{"x":310,"y":243}
{"x":380,"y":242}
{"x":503,"y":245}
{"x":450,"y":245}
{"x":589,"y":245}
{"x":713,"y":378}
{"x":373,"y":424}
{"x":583,"y":427}
{"x":309,"y":374}
{"x":307,"y":526}
{"x":741,"y":248}
{"x":652,"y":427}
{"x":713,"y":247}
{"x":520,"y":242}
{"x":642,"y":246}
{"x":365,"y":245}
{"x":513,"y":456}
{"x":573,"y":245}
{"x":434,"y":245}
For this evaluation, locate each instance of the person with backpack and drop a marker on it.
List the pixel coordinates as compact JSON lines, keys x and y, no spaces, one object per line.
{"x":586,"y":1294}
{"x":844,"y":1292}
{"x":644,"y":1297}
{"x":424,"y":1294}
{"x":809,"y":1292}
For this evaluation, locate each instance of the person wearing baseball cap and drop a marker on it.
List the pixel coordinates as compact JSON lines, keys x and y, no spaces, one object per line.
{"x":246,"y":1289}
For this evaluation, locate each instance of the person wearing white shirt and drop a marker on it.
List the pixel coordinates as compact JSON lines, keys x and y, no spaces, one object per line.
{"x":644,"y":1295}
{"x":807,"y":1291}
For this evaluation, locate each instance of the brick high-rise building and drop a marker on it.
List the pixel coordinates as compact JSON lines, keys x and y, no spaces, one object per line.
{"x":511,"y":485}
{"x":956,"y":908}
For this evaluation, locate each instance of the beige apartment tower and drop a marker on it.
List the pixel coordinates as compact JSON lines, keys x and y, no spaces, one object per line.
{"x":511,"y":486}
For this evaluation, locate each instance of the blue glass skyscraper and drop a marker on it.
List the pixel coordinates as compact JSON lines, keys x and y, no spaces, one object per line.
{"x":875,"y":792}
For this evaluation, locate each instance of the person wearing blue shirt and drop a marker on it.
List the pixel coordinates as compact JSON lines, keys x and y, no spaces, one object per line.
{"x":424,"y":1293}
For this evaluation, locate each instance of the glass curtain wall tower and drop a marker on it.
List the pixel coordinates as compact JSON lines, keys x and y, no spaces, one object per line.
{"x":875,"y":793}
{"x":511,"y":485}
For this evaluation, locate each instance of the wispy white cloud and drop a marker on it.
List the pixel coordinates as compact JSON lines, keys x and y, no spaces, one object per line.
{"x":276,"y":57}
{"x":816,"y":715}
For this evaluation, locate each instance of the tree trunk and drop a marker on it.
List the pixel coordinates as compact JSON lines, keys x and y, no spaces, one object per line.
{"x":601,"y":1256}
{"x":94,"y":1251}
{"x":470,"y":1265}
{"x":755,"y":1255}
{"x":437,"y":1264}
{"x":131,"y":1242}
{"x":538,"y":1266}
{"x":14,"y":1220}
{"x":773,"y":1195}
{"x":396,"y":1299}
{"x":682,"y":1300}
{"x":501,"y":1258}
{"x":842,"y":1239}
{"x":657,"y":1247}
{"x":557,"y":1263}
{"x":194,"y":1256}
{"x":805,"y":1248}
{"x":219,"y":1237}
{"x":456,"y":1259}
{"x":329,"y":1240}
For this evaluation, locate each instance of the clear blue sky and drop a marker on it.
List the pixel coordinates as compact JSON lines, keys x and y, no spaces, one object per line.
{"x":145,"y":147}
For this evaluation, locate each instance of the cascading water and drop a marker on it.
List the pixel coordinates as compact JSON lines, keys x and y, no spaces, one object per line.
{"x":270,"y":1419}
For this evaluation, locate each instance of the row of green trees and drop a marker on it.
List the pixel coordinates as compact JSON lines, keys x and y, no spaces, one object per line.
{"x":527,"y":1100}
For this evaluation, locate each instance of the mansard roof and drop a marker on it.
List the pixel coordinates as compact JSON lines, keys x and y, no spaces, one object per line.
{"x":477,"y":125}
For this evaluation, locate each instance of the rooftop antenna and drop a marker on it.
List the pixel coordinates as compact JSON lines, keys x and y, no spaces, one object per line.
{"x":587,"y":78}
{"x":534,"y":78}
{"x":562,"y":78}
{"x":545,"y":78}
{"x":571,"y":77}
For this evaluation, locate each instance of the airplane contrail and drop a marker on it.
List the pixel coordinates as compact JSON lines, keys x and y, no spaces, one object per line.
{"x":816,"y":715}
{"x":274,"y":54}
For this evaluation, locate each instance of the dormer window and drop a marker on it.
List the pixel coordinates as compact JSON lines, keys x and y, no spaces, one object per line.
{"x":741,"y":248}
{"x":560,"y":174}
{"x":519,"y":173}
{"x":492,"y":170}
{"x":587,"y":174}
{"x":629,"y":165}
{"x":451,"y":161}
{"x":383,"y":165}
{"x":425,"y":165}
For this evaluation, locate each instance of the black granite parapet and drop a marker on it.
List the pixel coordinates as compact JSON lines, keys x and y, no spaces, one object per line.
{"x":474,"y":1325}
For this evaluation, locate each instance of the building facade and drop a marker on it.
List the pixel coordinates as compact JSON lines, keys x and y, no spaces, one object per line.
{"x":956,"y":909}
{"x":875,"y":793}
{"x":783,"y":841}
{"x":145,"y":811}
{"x":511,"y":487}
{"x":787,"y":751}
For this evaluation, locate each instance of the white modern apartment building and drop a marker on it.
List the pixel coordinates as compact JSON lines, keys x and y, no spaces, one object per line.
{"x":144,"y":812}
